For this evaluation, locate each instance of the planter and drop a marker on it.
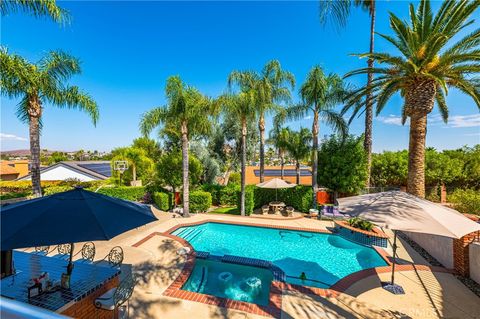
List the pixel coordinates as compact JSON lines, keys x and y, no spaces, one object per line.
{"x":374,"y":237}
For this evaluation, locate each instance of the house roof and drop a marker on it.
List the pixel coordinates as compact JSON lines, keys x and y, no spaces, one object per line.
{"x":95,"y":169}
{"x":6,"y":169}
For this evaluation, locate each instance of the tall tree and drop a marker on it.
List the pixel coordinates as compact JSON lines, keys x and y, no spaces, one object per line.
{"x":279,"y":137}
{"x":320,"y":95}
{"x":272,"y":86}
{"x":242,"y":107}
{"x":37,"y":8}
{"x":298,"y":146}
{"x":137,"y":158}
{"x":338,"y":11}
{"x":38,"y":84}
{"x":430,"y":60}
{"x":188,"y":113}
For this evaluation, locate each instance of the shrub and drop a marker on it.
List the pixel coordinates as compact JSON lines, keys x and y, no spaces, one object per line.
{"x":466,"y":201}
{"x":124,"y":192}
{"x":56,"y":189}
{"x":228,"y":195}
{"x":249,"y":200}
{"x":360,"y":223}
{"x":214,"y":190}
{"x":200,"y":201}
{"x":162,"y":200}
{"x":300,"y":197}
{"x":234,"y":178}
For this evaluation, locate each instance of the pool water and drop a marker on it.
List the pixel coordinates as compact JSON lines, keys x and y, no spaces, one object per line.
{"x":324,"y":258}
{"x":237,"y":282}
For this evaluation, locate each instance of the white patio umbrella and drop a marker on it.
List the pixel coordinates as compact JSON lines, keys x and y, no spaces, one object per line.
{"x":401,"y":211}
{"x":276,"y":183}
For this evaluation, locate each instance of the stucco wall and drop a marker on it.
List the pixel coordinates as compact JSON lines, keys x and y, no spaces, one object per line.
{"x":474,"y":251}
{"x":441,"y":248}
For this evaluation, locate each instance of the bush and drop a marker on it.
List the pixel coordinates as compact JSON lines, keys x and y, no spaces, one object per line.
{"x":214,"y":190}
{"x":360,"y":223}
{"x":125,"y":192}
{"x":228,"y":195}
{"x":249,"y":199}
{"x":200,"y":201}
{"x":56,"y":189}
{"x":466,"y":201}
{"x":299,"y":197}
{"x":162,"y":200}
{"x":234,"y":178}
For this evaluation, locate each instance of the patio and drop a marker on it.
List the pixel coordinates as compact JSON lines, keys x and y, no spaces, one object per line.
{"x":152,"y":255}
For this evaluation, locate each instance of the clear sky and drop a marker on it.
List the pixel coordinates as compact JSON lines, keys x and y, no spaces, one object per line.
{"x":128,"y":49}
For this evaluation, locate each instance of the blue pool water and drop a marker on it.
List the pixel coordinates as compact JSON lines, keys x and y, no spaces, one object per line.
{"x":237,"y":282}
{"x":325,"y":258}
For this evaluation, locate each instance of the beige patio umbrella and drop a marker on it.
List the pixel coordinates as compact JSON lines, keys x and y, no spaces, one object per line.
{"x":401,"y":211}
{"x":276,"y":183}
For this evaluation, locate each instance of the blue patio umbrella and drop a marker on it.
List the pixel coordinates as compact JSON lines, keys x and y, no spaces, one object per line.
{"x":73,"y":216}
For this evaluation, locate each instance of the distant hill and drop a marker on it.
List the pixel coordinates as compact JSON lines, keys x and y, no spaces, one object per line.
{"x":26,"y":152}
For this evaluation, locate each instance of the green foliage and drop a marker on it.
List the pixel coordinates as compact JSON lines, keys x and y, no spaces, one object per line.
{"x":37,"y":8}
{"x":234,"y":178}
{"x":342,"y":164}
{"x":56,"y":157}
{"x":299,"y":197}
{"x":226,"y":210}
{"x":466,"y":201}
{"x":169,"y":170}
{"x":214,"y":190}
{"x":200,"y":201}
{"x":249,"y":199}
{"x":441,"y":168}
{"x":389,"y":169}
{"x":360,"y":223}
{"x":56,"y":189}
{"x":140,"y":166}
{"x":149,"y":146}
{"x":162,"y":200}
{"x":228,"y":194}
{"x":124,"y":192}
{"x":210,"y":164}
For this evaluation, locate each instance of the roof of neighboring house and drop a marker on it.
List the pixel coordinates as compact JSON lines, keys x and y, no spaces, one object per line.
{"x":253,"y":174}
{"x":6,"y":169}
{"x":95,"y":169}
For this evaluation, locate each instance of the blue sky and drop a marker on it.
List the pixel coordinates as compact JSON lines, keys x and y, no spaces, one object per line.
{"x":128,"y":49}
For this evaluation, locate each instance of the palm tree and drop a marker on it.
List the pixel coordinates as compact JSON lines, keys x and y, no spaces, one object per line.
{"x":188,"y":112}
{"x":272,"y":86}
{"x":339,"y":11}
{"x":38,"y":84}
{"x":298,"y":146}
{"x":242,"y":107}
{"x":37,"y":8}
{"x":320,"y":94}
{"x":135,"y":157}
{"x":428,"y":63}
{"x":279,"y":138}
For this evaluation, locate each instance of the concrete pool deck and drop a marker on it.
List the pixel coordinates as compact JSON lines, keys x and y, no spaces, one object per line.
{"x":154,"y":259}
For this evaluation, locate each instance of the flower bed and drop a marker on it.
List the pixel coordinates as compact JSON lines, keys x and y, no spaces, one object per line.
{"x":375,"y":237}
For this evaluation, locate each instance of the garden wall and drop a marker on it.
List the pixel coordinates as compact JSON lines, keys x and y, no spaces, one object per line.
{"x":474,"y":251}
{"x":441,"y":248}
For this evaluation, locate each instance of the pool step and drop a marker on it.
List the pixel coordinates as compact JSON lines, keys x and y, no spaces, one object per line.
{"x":202,"y":254}
{"x":184,"y":235}
{"x":196,"y":234}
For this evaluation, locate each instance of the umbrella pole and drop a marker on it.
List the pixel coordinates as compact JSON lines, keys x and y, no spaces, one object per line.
{"x":391,"y":286}
{"x":70,"y":263}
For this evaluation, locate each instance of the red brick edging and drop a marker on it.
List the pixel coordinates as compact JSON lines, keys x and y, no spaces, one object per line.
{"x":275,"y":303}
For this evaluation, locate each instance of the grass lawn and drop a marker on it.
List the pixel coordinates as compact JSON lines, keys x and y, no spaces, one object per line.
{"x":226,"y":210}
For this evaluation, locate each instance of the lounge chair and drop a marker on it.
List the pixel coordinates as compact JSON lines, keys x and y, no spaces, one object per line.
{"x":290,"y":211}
{"x":265,"y":209}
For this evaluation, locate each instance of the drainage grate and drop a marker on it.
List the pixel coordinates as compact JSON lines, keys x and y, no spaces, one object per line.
{"x":202,"y":254}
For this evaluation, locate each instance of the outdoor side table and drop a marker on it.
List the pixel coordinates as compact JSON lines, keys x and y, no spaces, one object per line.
{"x":276,"y":207}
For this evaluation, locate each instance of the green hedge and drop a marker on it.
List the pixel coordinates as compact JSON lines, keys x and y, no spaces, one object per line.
{"x":214,"y":190}
{"x":200,"y":201}
{"x":124,"y":192}
{"x":299,"y":197}
{"x":162,"y":200}
{"x":222,"y":195}
{"x":465,"y":201}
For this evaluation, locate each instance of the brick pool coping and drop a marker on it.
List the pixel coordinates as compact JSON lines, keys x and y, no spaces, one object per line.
{"x":273,"y":309}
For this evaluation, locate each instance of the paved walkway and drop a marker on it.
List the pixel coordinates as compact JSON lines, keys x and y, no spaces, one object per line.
{"x":428,"y":295}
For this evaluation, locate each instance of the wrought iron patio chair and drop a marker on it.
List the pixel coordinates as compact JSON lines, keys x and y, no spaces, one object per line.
{"x":290,"y":211}
{"x":63,"y":251}
{"x":114,"y":257}
{"x":116,"y":297}
{"x":265,"y":209}
{"x":42,"y":250}
{"x":88,"y":252}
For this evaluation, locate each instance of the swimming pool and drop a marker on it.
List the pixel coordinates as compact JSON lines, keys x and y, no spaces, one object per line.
{"x":237,"y":282}
{"x":324,"y":258}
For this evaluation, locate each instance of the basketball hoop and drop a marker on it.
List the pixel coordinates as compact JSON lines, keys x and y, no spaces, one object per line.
{"x":120,"y":166}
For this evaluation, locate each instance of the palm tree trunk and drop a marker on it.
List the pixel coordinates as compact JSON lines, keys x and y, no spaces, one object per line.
{"x":261,"y":128}
{"x":282,"y":164}
{"x":314,"y":158}
{"x":369,"y":104}
{"x":416,"y":155}
{"x":244,"y":160}
{"x":186,"y":192}
{"x":35,"y":112}
{"x":297,"y":170}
